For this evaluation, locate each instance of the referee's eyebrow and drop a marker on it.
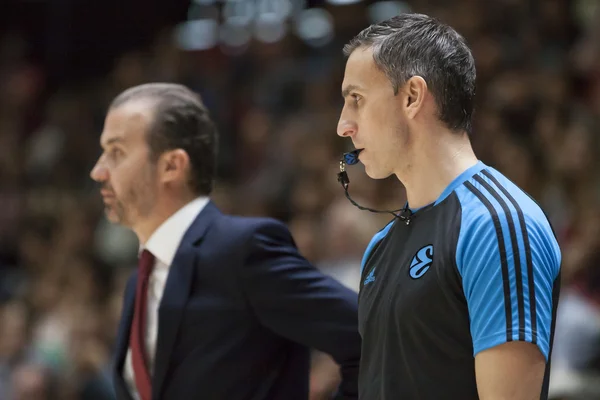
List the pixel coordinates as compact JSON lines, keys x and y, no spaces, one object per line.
{"x":349,"y":89}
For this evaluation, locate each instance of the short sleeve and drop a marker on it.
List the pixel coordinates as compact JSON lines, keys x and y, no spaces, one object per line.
{"x":509,"y":263}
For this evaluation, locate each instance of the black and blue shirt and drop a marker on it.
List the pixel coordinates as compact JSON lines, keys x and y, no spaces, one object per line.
{"x":477,"y":268}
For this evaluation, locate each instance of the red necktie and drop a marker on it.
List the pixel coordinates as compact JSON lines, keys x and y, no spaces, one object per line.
{"x":138,"y":328}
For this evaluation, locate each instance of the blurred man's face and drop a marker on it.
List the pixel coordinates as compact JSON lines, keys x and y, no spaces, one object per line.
{"x":13,"y":330}
{"x":124,"y":169}
{"x":29,"y":383}
{"x":371,"y":116}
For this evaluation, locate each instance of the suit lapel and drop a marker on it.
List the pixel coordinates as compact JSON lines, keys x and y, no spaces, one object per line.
{"x":176,"y":294}
{"x":122,"y":340}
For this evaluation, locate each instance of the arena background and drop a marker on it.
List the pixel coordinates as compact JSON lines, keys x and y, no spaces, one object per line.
{"x":270,"y":72}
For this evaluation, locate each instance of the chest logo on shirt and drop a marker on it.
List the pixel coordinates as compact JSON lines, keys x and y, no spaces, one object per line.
{"x":370,"y":278}
{"x":421,"y":262}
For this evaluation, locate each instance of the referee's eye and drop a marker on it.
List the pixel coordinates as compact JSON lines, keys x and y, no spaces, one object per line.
{"x":356,"y":98}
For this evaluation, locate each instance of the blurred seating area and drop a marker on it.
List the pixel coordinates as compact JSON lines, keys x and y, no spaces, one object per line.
{"x":277,"y":102}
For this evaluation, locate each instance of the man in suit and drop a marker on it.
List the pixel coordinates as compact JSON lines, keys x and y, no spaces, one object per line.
{"x":221,"y":307}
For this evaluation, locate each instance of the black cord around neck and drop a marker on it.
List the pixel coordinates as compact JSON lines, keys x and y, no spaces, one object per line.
{"x":405,"y":214}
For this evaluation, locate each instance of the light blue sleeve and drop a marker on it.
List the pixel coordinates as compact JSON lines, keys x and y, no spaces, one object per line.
{"x":508,"y":264}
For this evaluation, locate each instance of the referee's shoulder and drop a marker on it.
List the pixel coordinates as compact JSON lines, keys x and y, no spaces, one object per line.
{"x":499,"y":219}
{"x":490,"y":197}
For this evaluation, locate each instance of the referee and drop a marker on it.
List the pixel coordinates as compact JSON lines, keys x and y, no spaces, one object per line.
{"x":459,"y":291}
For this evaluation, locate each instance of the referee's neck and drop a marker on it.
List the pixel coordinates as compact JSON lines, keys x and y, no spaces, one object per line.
{"x":436,"y":160}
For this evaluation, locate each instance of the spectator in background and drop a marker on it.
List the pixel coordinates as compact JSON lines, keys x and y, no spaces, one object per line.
{"x":15,"y":347}
{"x":32,"y":382}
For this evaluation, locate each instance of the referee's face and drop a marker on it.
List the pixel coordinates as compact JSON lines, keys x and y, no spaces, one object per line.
{"x":372,"y":115}
{"x":124,"y":169}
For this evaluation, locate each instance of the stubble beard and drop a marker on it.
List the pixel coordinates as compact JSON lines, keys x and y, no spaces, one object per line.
{"x":136,"y":204}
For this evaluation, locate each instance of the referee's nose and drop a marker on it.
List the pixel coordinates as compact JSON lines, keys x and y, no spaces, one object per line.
{"x":346,"y":128}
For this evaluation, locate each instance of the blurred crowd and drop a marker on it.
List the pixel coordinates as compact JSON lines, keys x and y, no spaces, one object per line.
{"x":63,"y":267}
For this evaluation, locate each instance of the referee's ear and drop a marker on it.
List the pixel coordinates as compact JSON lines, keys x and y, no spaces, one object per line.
{"x":415,"y":91}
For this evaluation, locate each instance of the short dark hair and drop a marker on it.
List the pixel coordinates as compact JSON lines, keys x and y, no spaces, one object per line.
{"x":181,"y":121}
{"x":415,"y":44}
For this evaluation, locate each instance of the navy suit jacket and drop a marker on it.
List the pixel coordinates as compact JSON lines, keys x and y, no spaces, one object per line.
{"x":240,"y":312}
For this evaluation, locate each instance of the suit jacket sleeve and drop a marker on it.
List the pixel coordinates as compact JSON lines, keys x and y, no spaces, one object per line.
{"x":298,"y":302}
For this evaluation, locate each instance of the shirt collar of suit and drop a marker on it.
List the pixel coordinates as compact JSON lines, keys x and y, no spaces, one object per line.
{"x":165,"y":240}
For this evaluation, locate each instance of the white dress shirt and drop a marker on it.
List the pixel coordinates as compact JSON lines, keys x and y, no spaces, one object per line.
{"x":163,"y":244}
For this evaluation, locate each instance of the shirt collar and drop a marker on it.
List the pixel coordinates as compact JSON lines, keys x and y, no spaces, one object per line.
{"x":165,"y":240}
{"x":459,"y":180}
